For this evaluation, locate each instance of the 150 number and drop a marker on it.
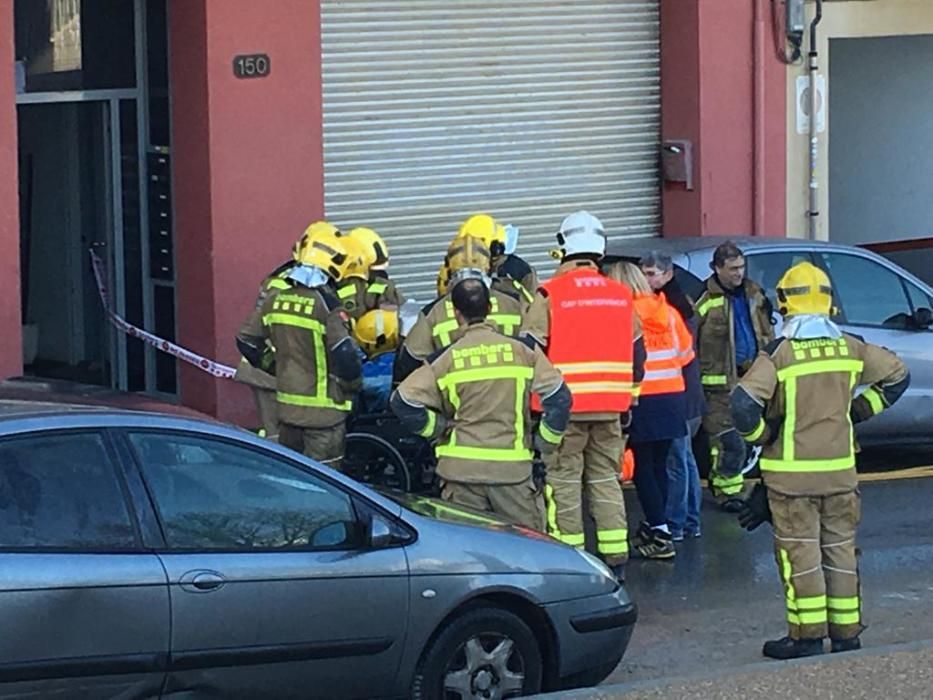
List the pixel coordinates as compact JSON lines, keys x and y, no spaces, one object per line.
{"x":255,"y":65}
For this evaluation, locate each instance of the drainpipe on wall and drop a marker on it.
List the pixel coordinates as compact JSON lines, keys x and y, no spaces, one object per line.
{"x":758,"y":118}
{"x":814,"y":210}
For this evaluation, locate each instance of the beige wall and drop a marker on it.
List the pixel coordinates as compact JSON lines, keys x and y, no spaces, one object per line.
{"x":841,"y":19}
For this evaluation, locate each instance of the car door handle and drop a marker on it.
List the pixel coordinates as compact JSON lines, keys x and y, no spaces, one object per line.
{"x":202,"y":581}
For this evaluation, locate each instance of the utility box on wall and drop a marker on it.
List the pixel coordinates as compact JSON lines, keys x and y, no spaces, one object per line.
{"x":677,"y":162}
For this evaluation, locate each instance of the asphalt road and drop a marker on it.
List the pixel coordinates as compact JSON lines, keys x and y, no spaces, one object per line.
{"x":709,"y":610}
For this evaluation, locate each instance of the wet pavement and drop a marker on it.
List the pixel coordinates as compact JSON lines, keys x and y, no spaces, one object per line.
{"x":709,"y":610}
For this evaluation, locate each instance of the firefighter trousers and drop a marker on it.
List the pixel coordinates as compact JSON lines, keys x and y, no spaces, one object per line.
{"x":325,"y":445}
{"x":521,"y":503}
{"x":814,"y":543}
{"x":588,"y":459}
{"x":268,"y":409}
{"x":727,"y":450}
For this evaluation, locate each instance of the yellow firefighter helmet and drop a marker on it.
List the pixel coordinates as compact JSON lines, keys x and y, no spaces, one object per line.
{"x":377,"y":252}
{"x":487,"y":229}
{"x":318,"y":228}
{"x":376,"y":332}
{"x":323,"y":250}
{"x":805,"y":289}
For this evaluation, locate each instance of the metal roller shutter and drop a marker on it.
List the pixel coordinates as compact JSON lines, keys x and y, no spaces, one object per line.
{"x":528,"y":110}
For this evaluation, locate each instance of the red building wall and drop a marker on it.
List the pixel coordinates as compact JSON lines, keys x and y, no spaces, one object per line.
{"x":248,"y":169}
{"x":11,"y":349}
{"x":708,"y":96}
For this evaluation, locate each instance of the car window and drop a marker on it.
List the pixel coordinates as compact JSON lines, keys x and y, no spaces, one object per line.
{"x":62,"y":492}
{"x":766,"y":269}
{"x":214,"y":495}
{"x":867,"y":292}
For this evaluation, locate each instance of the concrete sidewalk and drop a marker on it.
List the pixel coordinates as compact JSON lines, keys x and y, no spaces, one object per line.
{"x":897,"y":672}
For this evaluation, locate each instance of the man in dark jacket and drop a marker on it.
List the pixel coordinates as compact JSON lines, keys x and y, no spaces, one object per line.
{"x":684,"y":493}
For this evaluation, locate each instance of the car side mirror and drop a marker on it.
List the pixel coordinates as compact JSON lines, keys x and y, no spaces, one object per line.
{"x":385,"y":533}
{"x":380,"y":533}
{"x":923,"y":319}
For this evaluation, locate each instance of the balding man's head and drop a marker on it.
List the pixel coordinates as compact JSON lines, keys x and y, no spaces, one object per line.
{"x":471,"y":299}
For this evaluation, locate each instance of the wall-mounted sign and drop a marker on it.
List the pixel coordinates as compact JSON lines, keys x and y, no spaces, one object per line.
{"x":254,"y":65}
{"x":803,"y":104}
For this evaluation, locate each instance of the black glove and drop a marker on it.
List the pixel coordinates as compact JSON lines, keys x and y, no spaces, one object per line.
{"x":538,"y":473}
{"x":756,"y":509}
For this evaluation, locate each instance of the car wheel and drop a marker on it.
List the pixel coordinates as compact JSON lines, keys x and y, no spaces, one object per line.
{"x":486,"y":653}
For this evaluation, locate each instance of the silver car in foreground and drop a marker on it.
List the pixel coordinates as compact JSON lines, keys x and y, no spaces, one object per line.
{"x":153,"y":555}
{"x":876,"y":299}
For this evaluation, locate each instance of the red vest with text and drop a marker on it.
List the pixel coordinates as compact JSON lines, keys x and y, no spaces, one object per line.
{"x":590,"y":341}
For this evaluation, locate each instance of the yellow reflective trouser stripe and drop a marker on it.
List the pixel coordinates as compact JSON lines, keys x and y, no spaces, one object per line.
{"x":284,"y":319}
{"x":757,"y":432}
{"x":844,"y":611}
{"x":346,"y":291}
{"x":311,"y":401}
{"x":808,"y":465}
{"x":730,"y":486}
{"x":804,"y":610}
{"x":567,"y":368}
{"x":714,"y":380}
{"x":428,"y":428}
{"x":709,"y":304}
{"x":552,"y":529}
{"x":464,"y":376}
{"x":549,"y":435}
{"x":612,"y":541}
{"x":875,"y":400}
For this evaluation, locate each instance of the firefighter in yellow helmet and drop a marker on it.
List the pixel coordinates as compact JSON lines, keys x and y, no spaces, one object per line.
{"x":509,"y":272}
{"x":262,"y":379}
{"x":360,"y":293}
{"x":438,"y":326}
{"x":317,"y":362}
{"x":475,"y":399}
{"x":798,"y":401}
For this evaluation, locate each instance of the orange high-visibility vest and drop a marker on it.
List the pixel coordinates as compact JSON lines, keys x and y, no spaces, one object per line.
{"x":668,"y":345}
{"x":590,"y":339}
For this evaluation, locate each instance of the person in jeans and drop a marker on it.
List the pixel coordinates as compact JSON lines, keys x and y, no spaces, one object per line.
{"x":685,"y":495}
{"x":660,"y":415}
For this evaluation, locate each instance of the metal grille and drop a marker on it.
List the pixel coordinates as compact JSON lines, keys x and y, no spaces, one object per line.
{"x":528,"y":110}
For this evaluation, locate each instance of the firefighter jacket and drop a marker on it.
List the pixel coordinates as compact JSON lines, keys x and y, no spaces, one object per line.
{"x":474,"y":398}
{"x":519,"y":274}
{"x":716,"y":332}
{"x":668,"y":345}
{"x":587,"y":324}
{"x":317,"y":362}
{"x":263,"y":377}
{"x":359,"y":296}
{"x":797,"y":401}
{"x":437,"y":326}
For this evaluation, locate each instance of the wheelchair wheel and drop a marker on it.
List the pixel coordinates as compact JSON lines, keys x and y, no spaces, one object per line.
{"x":373,"y":460}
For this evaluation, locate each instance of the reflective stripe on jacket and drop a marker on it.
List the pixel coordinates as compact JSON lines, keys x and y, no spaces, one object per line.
{"x":591,"y":327}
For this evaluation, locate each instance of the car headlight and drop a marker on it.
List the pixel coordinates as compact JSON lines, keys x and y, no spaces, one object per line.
{"x":597,"y":564}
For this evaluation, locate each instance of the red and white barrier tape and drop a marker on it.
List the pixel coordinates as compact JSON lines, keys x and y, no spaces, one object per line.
{"x":166,"y":346}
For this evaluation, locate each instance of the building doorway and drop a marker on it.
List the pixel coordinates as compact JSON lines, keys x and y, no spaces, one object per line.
{"x":92,"y":108}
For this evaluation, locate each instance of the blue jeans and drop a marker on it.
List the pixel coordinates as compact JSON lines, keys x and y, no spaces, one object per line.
{"x":684,"y":495}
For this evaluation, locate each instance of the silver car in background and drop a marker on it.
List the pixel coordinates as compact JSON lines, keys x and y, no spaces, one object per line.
{"x":149,"y":555}
{"x":876,"y":299}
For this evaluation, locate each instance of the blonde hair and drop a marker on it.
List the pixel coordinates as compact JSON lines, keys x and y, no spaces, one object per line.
{"x":630,"y":275}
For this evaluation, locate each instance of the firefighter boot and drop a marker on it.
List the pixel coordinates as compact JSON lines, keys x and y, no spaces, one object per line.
{"x":787,"y":648}
{"x":853,"y":644}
